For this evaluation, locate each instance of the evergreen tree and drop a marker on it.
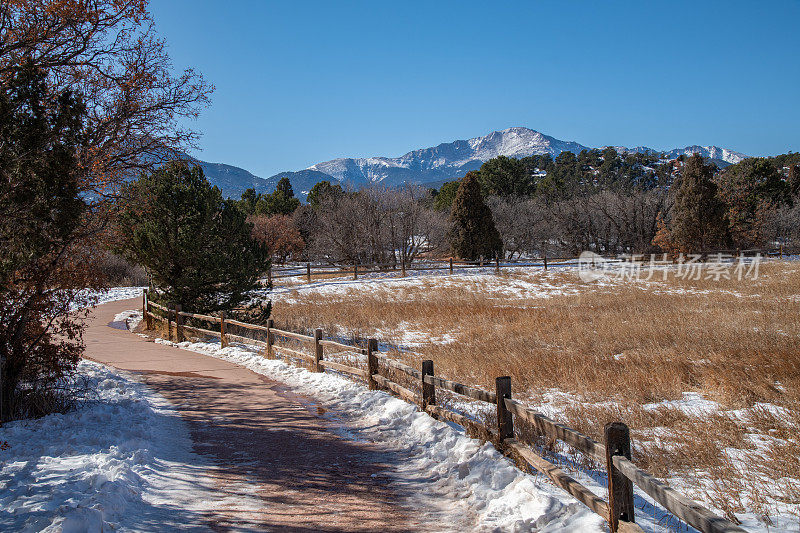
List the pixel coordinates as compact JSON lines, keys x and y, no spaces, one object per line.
{"x":699,"y":221}
{"x":249,"y":201}
{"x":196,"y":247}
{"x":505,"y":176}
{"x":473,"y":234}
{"x":322,"y":190}
{"x":284,"y":187}
{"x":280,"y":202}
{"x":445,"y":196}
{"x":793,"y":182}
{"x":42,"y":269}
{"x":750,"y":189}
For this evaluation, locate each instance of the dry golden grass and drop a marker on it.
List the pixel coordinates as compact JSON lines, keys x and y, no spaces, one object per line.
{"x":614,"y":348}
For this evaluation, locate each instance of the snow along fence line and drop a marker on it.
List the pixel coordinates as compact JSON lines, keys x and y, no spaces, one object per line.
{"x":428,"y":264}
{"x":614,"y":452}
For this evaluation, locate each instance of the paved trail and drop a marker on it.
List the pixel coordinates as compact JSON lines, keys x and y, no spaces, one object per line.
{"x":308,"y":478}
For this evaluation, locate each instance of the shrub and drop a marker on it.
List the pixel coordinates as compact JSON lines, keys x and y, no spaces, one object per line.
{"x":279,"y":234}
{"x":42,"y":267}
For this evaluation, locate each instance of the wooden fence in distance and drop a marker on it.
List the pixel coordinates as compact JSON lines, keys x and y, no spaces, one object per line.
{"x":310,"y":272}
{"x":614,"y":452}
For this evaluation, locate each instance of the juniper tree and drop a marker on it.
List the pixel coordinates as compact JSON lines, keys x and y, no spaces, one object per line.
{"x":473,"y":234}
{"x":699,"y":221}
{"x":196,"y":246}
{"x":42,"y":271}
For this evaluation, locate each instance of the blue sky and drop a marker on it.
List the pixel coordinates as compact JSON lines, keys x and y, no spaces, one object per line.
{"x":302,"y":82}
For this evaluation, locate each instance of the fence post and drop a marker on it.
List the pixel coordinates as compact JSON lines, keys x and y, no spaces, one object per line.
{"x":372,"y":364}
{"x":318,"y":350}
{"x":780,"y":251}
{"x":545,"y":261}
{"x":270,"y":338}
{"x":428,"y":389}
{"x":179,"y":323}
{"x":148,"y":321}
{"x":505,"y":421}
{"x":451,"y":266}
{"x":620,"y":488}
{"x":169,"y":322}
{"x":497,"y":264}
{"x":355,"y":272}
{"x":269,"y":276}
{"x":223,"y":337}
{"x":149,"y":315}
{"x":308,"y":272}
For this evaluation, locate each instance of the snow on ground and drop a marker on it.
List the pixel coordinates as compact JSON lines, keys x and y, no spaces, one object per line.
{"x":525,"y":283}
{"x":121,"y":461}
{"x":442,"y":467}
{"x":89,"y":297}
{"x":127,"y":320}
{"x":650,"y":515}
{"x":534,"y":284}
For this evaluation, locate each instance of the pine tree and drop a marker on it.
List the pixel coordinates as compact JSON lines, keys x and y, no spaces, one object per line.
{"x":473,"y":234}
{"x":280,"y":202}
{"x":197,"y":247}
{"x":285,"y":187}
{"x":445,"y":196}
{"x":505,"y":176}
{"x":321,"y":191}
{"x":699,"y":220}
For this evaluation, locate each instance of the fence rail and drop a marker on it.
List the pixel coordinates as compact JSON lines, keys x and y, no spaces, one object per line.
{"x":614,"y":453}
{"x":322,"y":271}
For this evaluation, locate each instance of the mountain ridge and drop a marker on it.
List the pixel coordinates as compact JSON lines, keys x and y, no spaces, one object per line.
{"x":433,"y":165}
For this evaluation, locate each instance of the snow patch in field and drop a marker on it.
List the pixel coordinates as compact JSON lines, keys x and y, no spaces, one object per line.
{"x":692,"y":404}
{"x":464,"y":479}
{"x":121,"y":461}
{"x":534,"y":284}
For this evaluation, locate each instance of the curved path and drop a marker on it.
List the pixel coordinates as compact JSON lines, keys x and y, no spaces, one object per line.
{"x":308,"y":478}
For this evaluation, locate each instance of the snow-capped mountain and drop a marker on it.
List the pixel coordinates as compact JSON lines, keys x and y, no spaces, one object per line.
{"x":431,"y":166}
{"x":446,"y":161}
{"x":722,"y":156}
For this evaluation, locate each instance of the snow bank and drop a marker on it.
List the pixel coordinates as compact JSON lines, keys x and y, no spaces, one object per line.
{"x":122,"y":461}
{"x":468,"y":483}
{"x":90,"y":297}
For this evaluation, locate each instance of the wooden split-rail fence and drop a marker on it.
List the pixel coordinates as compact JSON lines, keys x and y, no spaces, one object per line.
{"x":311,"y":272}
{"x":614,"y":452}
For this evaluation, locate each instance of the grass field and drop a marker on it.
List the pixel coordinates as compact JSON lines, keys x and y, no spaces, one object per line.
{"x":705,"y":372}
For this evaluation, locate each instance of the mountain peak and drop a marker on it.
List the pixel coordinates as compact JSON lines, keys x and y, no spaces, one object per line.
{"x":437,"y":164}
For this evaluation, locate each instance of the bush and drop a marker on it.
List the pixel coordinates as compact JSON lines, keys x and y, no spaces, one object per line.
{"x":279,"y":234}
{"x":116,"y":271}
{"x":42,"y":266}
